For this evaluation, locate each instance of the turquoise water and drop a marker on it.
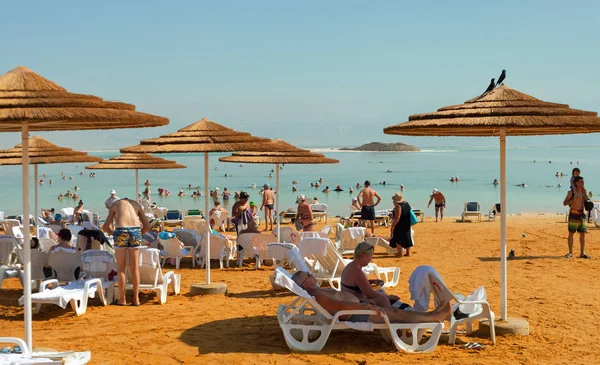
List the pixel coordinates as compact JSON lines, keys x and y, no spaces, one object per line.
{"x":420,"y":172}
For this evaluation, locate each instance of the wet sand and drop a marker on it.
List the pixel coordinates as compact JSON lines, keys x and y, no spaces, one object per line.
{"x":556,"y":295}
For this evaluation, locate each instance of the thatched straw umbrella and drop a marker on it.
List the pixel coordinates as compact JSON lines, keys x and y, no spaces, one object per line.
{"x":135,"y":161}
{"x":295,"y":156}
{"x":204,"y":136}
{"x":43,"y":152}
{"x":29,"y":101}
{"x":501,"y":112}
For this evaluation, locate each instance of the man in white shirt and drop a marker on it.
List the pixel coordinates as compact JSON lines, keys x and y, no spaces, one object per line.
{"x":111,"y":199}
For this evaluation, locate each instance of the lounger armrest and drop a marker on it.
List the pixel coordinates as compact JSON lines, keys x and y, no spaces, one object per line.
{"x":89,"y":283}
{"x":47,"y":283}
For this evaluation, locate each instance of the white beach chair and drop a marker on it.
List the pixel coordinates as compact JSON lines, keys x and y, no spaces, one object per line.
{"x":288,"y":234}
{"x":306,"y":325}
{"x":350,"y":237}
{"x":189,"y":238}
{"x":99,"y":264}
{"x":324,"y":261}
{"x":378,"y":241}
{"x":8,"y":267}
{"x":473,"y":307}
{"x":220,"y":219}
{"x":64,"y":264}
{"x":41,"y":358}
{"x":471,"y":209}
{"x":173,"y":248}
{"x":219,"y":250}
{"x":254,"y":245}
{"x":152,"y":277}
{"x":39,"y":259}
{"x":46,"y":244}
{"x":17,"y":233}
{"x":76,"y":293}
{"x":319,"y":211}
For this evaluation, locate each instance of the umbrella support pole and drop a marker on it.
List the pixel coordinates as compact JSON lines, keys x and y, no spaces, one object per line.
{"x":207,"y":218}
{"x":36,"y":206}
{"x":503,"y":274}
{"x":277,"y":202}
{"x":137,"y":186}
{"x":208,"y":288}
{"x":26,"y":237}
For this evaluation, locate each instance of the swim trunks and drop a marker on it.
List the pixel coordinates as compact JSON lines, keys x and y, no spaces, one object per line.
{"x":269,"y":206}
{"x":125,"y":237}
{"x":358,"y":318}
{"x":367,"y":212}
{"x":440,"y":205}
{"x":577,"y":222}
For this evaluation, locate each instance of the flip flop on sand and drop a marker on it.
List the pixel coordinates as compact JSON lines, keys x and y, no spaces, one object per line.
{"x":569,"y":256}
{"x":584,"y":256}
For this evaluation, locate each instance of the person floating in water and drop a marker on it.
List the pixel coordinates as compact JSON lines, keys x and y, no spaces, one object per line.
{"x":338,"y":188}
{"x":495,"y":182}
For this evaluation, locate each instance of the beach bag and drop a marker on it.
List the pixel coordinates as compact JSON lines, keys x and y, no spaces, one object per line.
{"x":413,"y":218}
{"x":588,"y":205}
{"x":299,"y":225}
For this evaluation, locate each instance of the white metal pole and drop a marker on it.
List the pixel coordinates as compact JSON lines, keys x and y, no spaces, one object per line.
{"x":137,"y":189}
{"x":277,"y":203}
{"x":503,"y":209}
{"x":26,"y":238}
{"x":207,"y":218}
{"x":37,"y":208}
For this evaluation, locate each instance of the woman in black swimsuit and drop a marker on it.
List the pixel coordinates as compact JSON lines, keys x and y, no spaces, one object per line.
{"x":356,"y":282}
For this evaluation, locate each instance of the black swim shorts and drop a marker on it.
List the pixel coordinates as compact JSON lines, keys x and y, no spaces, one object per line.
{"x":367,"y":212}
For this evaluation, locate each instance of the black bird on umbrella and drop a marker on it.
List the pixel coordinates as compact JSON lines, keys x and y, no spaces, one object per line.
{"x":501,"y":78}
{"x":491,"y":87}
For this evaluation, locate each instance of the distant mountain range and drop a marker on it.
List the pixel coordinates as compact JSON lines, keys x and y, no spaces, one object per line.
{"x":384,"y":147}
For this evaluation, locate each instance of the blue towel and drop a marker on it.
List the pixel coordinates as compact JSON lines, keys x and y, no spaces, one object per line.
{"x":166,"y":235}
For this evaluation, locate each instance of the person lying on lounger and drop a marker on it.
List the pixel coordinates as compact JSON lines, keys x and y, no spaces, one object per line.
{"x":350,"y":302}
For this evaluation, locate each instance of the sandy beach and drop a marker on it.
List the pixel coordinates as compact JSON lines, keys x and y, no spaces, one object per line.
{"x":556,"y":295}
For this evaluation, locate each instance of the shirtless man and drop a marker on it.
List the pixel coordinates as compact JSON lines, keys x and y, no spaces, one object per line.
{"x":128,"y":216}
{"x":366,"y":199}
{"x":577,"y":219}
{"x":335,"y":302}
{"x":440,"y":203}
{"x":268,"y":199}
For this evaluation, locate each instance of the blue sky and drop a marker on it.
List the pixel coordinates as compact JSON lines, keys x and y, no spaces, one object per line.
{"x":316,"y":73}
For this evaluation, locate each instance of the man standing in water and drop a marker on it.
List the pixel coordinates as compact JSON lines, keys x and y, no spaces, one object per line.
{"x":577,"y":220}
{"x":366,"y":199}
{"x":128,"y":216}
{"x":268,"y":199}
{"x":440,"y":203}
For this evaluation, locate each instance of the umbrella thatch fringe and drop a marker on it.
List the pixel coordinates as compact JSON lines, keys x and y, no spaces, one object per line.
{"x":44,"y":152}
{"x":501,"y":109}
{"x":28,"y":97}
{"x":136,"y":161}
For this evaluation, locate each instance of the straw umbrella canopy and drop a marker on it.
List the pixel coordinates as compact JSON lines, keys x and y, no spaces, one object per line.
{"x":500,"y":113}
{"x":205,"y":136}
{"x":135,"y":161}
{"x":295,"y":156}
{"x":28,"y":101}
{"x":43,"y":152}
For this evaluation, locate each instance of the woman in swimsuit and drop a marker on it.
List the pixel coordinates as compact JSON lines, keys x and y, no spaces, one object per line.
{"x":356,"y":282}
{"x":305,"y":215}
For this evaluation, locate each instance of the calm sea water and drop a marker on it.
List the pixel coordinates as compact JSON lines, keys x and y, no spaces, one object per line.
{"x":419,"y":172}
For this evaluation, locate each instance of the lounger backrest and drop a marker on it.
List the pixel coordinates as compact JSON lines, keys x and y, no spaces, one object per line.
{"x":149,"y":268}
{"x":188,"y":237}
{"x":287,"y":252}
{"x":64,"y":263}
{"x":218,"y":244}
{"x":54,"y":227}
{"x":98,"y":264}
{"x":331,"y":262}
{"x":193,"y":212}
{"x":261,"y":241}
{"x":173,"y":215}
{"x":472,"y":207}
{"x":283,"y":278}
{"x":46,"y":244}
{"x":439,"y":290}
{"x":7,"y":247}
{"x":171,"y":246}
{"x":347,"y":243}
{"x":38,"y":261}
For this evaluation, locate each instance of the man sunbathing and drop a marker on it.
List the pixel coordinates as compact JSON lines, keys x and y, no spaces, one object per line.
{"x":347,"y":301}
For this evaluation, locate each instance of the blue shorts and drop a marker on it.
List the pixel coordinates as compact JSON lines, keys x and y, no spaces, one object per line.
{"x":126,"y":237}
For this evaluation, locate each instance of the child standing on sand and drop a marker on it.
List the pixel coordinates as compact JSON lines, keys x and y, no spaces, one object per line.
{"x":576,"y":172}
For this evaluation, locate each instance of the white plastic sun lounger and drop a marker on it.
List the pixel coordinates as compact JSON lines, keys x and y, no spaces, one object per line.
{"x":75,"y":293}
{"x":39,"y":358}
{"x":304,"y":318}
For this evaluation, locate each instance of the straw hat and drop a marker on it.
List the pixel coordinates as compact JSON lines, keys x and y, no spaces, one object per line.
{"x":398,"y":197}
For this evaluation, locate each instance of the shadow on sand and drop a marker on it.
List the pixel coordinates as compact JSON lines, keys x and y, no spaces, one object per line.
{"x":261,"y":334}
{"x":520,"y":258}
